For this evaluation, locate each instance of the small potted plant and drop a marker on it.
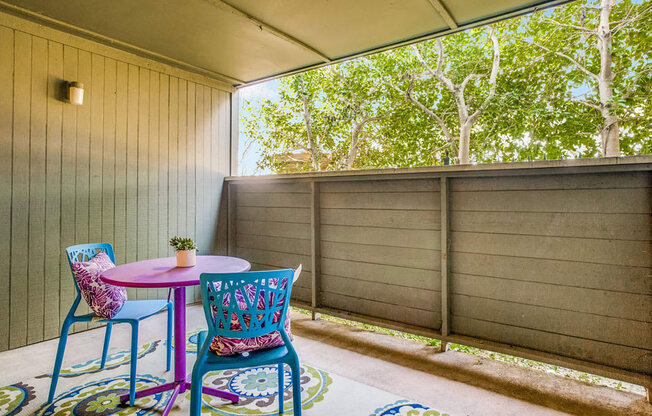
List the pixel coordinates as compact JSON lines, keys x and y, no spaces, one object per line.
{"x":186,"y":251}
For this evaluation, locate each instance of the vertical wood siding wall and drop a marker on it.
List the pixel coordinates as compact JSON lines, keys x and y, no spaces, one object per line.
{"x":558,"y":264}
{"x":143,"y":159}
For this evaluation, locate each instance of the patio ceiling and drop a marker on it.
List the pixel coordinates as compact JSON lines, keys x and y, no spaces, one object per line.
{"x":248,"y":41}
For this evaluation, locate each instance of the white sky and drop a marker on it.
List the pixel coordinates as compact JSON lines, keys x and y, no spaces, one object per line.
{"x":269,"y":90}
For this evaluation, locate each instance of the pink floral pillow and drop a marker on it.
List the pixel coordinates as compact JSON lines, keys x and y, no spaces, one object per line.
{"x":104,"y":299}
{"x":229,"y":346}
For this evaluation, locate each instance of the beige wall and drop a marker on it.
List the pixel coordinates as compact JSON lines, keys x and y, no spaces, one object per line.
{"x":141,"y":160}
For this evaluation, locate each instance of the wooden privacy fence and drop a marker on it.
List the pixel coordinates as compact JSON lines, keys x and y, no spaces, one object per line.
{"x":544,"y":260}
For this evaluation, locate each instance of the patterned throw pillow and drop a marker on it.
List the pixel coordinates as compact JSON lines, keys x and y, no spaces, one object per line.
{"x":230,"y":346}
{"x":104,"y":299}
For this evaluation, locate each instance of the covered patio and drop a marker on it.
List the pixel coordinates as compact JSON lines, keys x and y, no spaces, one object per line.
{"x":364,"y":369}
{"x":547,"y":260}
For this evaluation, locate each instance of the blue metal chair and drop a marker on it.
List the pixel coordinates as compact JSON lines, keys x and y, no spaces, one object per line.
{"x":261,"y":322}
{"x":132,"y":312}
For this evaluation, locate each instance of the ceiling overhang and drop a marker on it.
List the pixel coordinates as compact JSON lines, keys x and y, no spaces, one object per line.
{"x":243,"y":42}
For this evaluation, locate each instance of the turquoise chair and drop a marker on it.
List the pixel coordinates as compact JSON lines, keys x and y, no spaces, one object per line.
{"x":132,"y":312}
{"x":218,"y":318}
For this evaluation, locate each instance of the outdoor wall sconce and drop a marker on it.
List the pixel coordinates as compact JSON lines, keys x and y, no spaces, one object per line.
{"x":75,"y":92}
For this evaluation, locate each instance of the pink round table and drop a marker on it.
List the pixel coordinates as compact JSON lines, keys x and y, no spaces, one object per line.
{"x":164,"y":273}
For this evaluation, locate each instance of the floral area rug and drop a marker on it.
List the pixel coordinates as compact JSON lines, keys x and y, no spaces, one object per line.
{"x":86,"y":390}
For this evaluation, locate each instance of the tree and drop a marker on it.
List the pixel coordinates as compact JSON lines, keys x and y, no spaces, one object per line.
{"x":323,"y":114}
{"x":510,"y":92}
{"x":456,"y":86}
{"x":360,"y":100}
{"x":584,"y":36}
{"x":302,"y":120}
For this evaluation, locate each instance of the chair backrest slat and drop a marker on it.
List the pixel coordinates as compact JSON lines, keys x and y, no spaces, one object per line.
{"x":85,"y":252}
{"x":246,"y":305}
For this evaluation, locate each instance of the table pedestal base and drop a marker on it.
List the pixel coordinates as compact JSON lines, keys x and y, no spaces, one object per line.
{"x":182,"y":383}
{"x":179,"y":387}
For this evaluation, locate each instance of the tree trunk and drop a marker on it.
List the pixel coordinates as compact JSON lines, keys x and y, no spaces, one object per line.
{"x":610,"y":136}
{"x":353,"y":149}
{"x":465,"y":144}
{"x":314,"y":152}
{"x":457,"y":90}
{"x":609,"y":131}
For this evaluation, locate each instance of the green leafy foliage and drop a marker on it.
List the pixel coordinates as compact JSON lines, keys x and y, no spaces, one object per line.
{"x":181,"y":243}
{"x":357,"y":115}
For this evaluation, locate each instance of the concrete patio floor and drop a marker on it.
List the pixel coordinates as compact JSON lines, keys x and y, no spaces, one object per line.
{"x":454,"y":382}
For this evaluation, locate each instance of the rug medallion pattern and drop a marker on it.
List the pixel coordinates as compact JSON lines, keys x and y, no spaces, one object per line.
{"x":102,"y":398}
{"x":406,"y":408}
{"x":13,"y":398}
{"x":258,"y":390}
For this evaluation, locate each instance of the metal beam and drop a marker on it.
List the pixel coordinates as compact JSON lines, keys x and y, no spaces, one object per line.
{"x":270,"y":29}
{"x":441,"y":10}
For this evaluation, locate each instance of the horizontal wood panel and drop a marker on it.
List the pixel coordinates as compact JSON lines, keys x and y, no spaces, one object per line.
{"x":286,"y":215}
{"x":564,"y":273}
{"x":575,"y":181}
{"x":303,"y":280}
{"x":274,"y":258}
{"x":381,"y":236}
{"x":378,"y":200}
{"x":581,"y":225}
{"x":387,"y":218}
{"x":302,"y":294}
{"x":609,"y":201}
{"x":284,"y":200}
{"x":391,"y":294}
{"x":382,"y":273}
{"x":277,"y":244}
{"x":392,"y":256}
{"x":556,"y":263}
{"x":628,"y":358}
{"x":617,"y":252}
{"x":273,"y":187}
{"x":413,"y":185}
{"x":593,"y":301}
{"x":618,"y":331}
{"x":274,"y":229}
{"x":381,"y":310}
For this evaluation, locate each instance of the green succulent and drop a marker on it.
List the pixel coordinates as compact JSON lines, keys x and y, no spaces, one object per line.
{"x":181,"y":243}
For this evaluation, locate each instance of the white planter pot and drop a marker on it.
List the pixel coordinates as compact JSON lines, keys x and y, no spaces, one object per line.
{"x":186,"y":258}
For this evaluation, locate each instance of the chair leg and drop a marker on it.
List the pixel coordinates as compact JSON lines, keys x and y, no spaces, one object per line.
{"x":169,"y":338}
{"x":280,"y":388}
{"x":107,"y":338}
{"x":201,"y":338}
{"x":63,"y":338}
{"x":134,"y":360}
{"x":196,"y":391}
{"x":296,"y":386}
